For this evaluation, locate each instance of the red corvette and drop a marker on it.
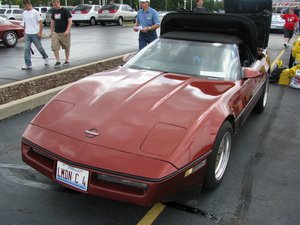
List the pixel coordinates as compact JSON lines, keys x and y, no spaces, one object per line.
{"x":10,"y":32}
{"x":164,"y":121}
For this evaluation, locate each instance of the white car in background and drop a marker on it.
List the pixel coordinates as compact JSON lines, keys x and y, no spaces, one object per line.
{"x":42,"y":10}
{"x":11,"y":13}
{"x":85,"y":13}
{"x":277,"y":23}
{"x":116,"y":13}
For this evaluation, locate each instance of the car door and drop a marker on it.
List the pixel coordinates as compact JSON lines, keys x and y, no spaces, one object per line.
{"x":96,"y":11}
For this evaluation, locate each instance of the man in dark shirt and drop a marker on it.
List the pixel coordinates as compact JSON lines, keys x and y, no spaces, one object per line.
{"x":200,"y":8}
{"x":61,"y":22}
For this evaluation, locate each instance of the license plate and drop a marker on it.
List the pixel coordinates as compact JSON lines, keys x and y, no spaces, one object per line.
{"x":72,"y":176}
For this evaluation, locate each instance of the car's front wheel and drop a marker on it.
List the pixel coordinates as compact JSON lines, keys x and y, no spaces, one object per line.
{"x":120,"y":21}
{"x":218,"y":160}
{"x":10,"y":39}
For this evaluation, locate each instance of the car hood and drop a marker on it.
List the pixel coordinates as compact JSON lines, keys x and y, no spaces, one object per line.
{"x":140,"y":112}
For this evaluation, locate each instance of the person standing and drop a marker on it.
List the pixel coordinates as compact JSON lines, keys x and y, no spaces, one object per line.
{"x":296,"y":11}
{"x":200,"y":8}
{"x":291,"y":20}
{"x":147,"y":21}
{"x":61,"y":23}
{"x":33,"y":26}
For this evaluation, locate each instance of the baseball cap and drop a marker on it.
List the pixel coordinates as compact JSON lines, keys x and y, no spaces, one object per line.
{"x":144,"y":0}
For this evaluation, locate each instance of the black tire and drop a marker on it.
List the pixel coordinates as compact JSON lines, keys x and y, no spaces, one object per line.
{"x":92,"y":21}
{"x":10,"y":39}
{"x":102,"y":23}
{"x":219,"y":158}
{"x":263,"y":99}
{"x":76,"y":24}
{"x":120,"y":21}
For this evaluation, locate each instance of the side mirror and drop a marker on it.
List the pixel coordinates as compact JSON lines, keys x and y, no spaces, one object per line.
{"x":249,"y":72}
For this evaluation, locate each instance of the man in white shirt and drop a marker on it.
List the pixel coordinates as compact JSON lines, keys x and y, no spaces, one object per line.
{"x":33,"y":24}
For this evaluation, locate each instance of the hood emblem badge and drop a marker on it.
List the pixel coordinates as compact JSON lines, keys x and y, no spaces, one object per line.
{"x":91,"y":133}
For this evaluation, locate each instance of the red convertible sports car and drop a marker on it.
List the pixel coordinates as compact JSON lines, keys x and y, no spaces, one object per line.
{"x":10,"y":32}
{"x":164,"y":121}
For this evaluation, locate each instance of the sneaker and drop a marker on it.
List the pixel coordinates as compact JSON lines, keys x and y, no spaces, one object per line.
{"x":57,"y":64}
{"x":26,"y":67}
{"x":46,"y":61}
{"x":66,"y":63}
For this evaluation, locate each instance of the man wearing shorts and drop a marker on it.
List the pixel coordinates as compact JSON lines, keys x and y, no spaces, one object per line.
{"x":291,"y":20}
{"x":61,"y":22}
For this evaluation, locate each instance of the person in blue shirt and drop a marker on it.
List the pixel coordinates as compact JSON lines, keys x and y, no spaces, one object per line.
{"x":147,"y":21}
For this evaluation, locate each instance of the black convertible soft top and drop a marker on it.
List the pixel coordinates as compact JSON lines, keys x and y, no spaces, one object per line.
{"x":215,"y":24}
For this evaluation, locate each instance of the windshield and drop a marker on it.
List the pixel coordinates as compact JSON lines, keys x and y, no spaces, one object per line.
{"x":199,"y":59}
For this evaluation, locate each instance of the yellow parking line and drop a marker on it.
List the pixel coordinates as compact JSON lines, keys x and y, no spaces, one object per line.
{"x":277,"y":58}
{"x":152,"y":214}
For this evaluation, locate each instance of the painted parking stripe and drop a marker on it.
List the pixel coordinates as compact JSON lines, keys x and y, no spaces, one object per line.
{"x":277,"y":58}
{"x":152,"y":214}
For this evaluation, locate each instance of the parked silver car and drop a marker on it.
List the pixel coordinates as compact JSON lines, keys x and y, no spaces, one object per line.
{"x":84,"y":13}
{"x":116,"y":13}
{"x":277,"y":23}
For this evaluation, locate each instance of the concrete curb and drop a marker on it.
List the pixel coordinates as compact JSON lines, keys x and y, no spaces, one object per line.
{"x":33,"y":101}
{"x":27,"y":103}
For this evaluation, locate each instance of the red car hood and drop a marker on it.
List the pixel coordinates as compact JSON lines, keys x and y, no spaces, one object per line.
{"x":139,"y":112}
